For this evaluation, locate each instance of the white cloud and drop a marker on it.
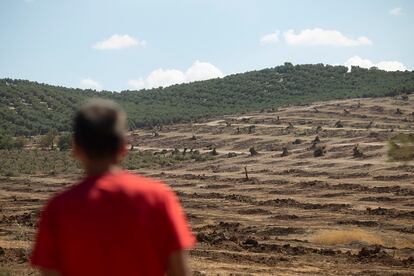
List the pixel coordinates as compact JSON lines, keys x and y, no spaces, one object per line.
{"x":166,"y":77}
{"x":382,"y":65}
{"x":117,"y":41}
{"x":270,"y":38}
{"x":317,"y":36}
{"x":161,"y":77}
{"x":202,"y":71}
{"x":90,"y":84}
{"x":396,"y":11}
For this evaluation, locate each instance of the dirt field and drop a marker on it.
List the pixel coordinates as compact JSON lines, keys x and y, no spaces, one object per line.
{"x":336,"y":214}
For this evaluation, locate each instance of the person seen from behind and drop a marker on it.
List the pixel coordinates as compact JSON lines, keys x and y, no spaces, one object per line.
{"x":113,"y":222}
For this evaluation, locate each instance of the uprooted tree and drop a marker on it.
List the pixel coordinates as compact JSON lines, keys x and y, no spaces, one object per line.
{"x":285,"y":152}
{"x":213,"y":152}
{"x":251,"y":129}
{"x":246,"y":173}
{"x":297,"y":141}
{"x":318,"y":128}
{"x":231,"y":154}
{"x":315,"y":142}
{"x":319,"y":151}
{"x":357,"y":152}
{"x":339,"y":124}
{"x":253,"y":151}
{"x":155,"y":132}
{"x":401,"y":147}
{"x":399,"y":112}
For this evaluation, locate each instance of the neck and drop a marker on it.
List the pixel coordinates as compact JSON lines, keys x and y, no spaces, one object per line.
{"x":100,"y":167}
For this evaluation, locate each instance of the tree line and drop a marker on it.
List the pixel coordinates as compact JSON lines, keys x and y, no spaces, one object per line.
{"x":29,"y":108}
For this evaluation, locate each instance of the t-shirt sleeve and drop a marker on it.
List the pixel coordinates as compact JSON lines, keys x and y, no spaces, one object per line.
{"x":178,"y":233}
{"x":45,"y":253}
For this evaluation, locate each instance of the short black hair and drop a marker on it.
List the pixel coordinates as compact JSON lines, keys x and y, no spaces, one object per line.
{"x":99,"y":128}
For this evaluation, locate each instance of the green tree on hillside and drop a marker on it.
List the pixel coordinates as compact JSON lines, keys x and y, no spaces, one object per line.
{"x":48,"y":140}
{"x":30,"y":108}
{"x":20,"y":142}
{"x":6,"y":141}
{"x":64,"y":141}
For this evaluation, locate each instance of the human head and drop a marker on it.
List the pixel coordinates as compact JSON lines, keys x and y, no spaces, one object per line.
{"x":99,"y":131}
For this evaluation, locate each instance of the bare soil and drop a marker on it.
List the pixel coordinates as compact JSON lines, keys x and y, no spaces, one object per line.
{"x":294,"y":215}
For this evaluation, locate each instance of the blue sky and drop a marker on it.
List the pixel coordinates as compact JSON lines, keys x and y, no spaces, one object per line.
{"x":127,"y":44}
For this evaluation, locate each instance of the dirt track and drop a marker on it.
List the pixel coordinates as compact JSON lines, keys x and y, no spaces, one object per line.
{"x":297,"y":214}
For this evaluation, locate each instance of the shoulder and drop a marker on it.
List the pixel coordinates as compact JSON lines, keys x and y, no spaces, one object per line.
{"x":145,"y":186}
{"x":144,"y":183}
{"x":57,"y":200}
{"x":63,"y":197}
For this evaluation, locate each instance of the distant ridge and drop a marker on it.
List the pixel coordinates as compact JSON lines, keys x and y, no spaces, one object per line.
{"x":31,"y":108}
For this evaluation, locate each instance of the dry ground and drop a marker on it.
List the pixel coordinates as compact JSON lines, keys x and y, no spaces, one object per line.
{"x":295,"y":215}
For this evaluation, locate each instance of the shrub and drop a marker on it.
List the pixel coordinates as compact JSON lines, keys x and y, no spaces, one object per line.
{"x":48,"y":140}
{"x":64,"y":142}
{"x":6,"y":142}
{"x":18,"y":162}
{"x":20,"y":142}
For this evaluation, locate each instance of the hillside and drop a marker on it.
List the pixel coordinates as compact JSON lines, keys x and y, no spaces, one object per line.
{"x":319,"y":197}
{"x":30,"y":108}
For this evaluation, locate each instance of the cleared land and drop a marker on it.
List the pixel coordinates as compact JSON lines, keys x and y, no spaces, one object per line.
{"x":347,"y":212}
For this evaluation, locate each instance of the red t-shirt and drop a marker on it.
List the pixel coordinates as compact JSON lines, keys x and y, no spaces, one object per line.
{"x":112,"y":224}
